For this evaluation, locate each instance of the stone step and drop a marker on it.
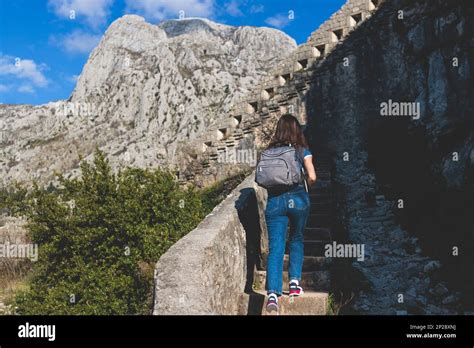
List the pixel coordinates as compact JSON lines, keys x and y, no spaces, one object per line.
{"x":318,"y":157}
{"x":322,"y":178}
{"x":310,"y":263}
{"x":310,"y":303}
{"x":323,"y":198}
{"x":317,"y":233}
{"x":322,"y":170}
{"x":323,"y":165}
{"x":321,"y":206}
{"x":311,"y":247}
{"x":376,"y":212}
{"x":387,"y":217}
{"x":313,"y":190}
{"x":321,"y":189}
{"x":318,"y":220}
{"x":319,"y":196}
{"x":321,"y":209}
{"x":319,"y":223}
{"x":322,"y":183}
{"x":317,"y":215}
{"x":322,"y":162}
{"x":323,"y":156}
{"x":310,"y":281}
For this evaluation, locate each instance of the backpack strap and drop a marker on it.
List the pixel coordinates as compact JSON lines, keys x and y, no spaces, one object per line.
{"x":299,"y":155}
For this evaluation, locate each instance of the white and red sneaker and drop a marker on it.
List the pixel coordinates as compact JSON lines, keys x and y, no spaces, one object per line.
{"x":272,"y":303}
{"x":295,"y":288}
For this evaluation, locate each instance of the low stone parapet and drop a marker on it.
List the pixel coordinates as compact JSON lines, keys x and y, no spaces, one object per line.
{"x":209,"y":270}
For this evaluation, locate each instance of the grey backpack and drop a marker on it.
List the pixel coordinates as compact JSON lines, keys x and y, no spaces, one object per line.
{"x":279,"y":167}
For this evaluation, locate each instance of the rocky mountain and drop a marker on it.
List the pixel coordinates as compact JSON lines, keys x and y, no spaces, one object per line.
{"x":144,"y":88}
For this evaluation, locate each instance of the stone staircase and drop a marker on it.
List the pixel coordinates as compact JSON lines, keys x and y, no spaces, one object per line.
{"x":316,"y":276}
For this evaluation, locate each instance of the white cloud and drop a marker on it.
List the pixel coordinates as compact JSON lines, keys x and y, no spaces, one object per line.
{"x":76,"y":42}
{"x":26,"y":89}
{"x":94,"y":12}
{"x":279,"y":20}
{"x":3,"y":88}
{"x":256,"y":8}
{"x":72,"y":78}
{"x":161,"y":9}
{"x":233,"y":8}
{"x":25,"y":69}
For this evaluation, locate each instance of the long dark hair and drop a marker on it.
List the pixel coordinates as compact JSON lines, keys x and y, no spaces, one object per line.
{"x":288,"y":131}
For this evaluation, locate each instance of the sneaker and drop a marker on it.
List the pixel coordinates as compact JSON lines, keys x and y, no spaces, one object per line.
{"x":295,"y":288}
{"x":272,"y":303}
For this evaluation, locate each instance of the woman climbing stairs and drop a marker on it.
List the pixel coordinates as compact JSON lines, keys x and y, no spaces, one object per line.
{"x":315,"y":278}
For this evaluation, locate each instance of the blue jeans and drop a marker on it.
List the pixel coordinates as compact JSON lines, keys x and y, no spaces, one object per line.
{"x":292,"y":206}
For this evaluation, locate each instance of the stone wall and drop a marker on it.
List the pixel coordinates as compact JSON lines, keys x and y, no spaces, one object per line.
{"x":410,"y":60}
{"x":209,"y":270}
{"x":417,"y":52}
{"x":251,"y":120}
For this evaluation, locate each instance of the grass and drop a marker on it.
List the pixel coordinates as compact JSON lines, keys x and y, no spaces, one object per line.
{"x":335,"y":304}
{"x":13,"y":276}
{"x":256,"y":284}
{"x":9,"y":287}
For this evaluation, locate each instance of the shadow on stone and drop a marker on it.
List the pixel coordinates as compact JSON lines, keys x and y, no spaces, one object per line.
{"x":249,"y":217}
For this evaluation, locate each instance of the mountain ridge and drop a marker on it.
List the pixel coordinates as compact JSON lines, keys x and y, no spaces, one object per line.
{"x":141,"y":91}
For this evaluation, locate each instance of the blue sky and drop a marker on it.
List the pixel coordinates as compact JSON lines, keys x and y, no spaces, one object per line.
{"x":44,"y":44}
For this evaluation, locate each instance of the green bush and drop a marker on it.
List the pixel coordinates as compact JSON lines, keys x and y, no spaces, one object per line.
{"x":13,"y":199}
{"x":99,"y":237}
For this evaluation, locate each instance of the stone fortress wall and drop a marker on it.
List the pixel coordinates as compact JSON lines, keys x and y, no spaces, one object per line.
{"x":251,"y":121}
